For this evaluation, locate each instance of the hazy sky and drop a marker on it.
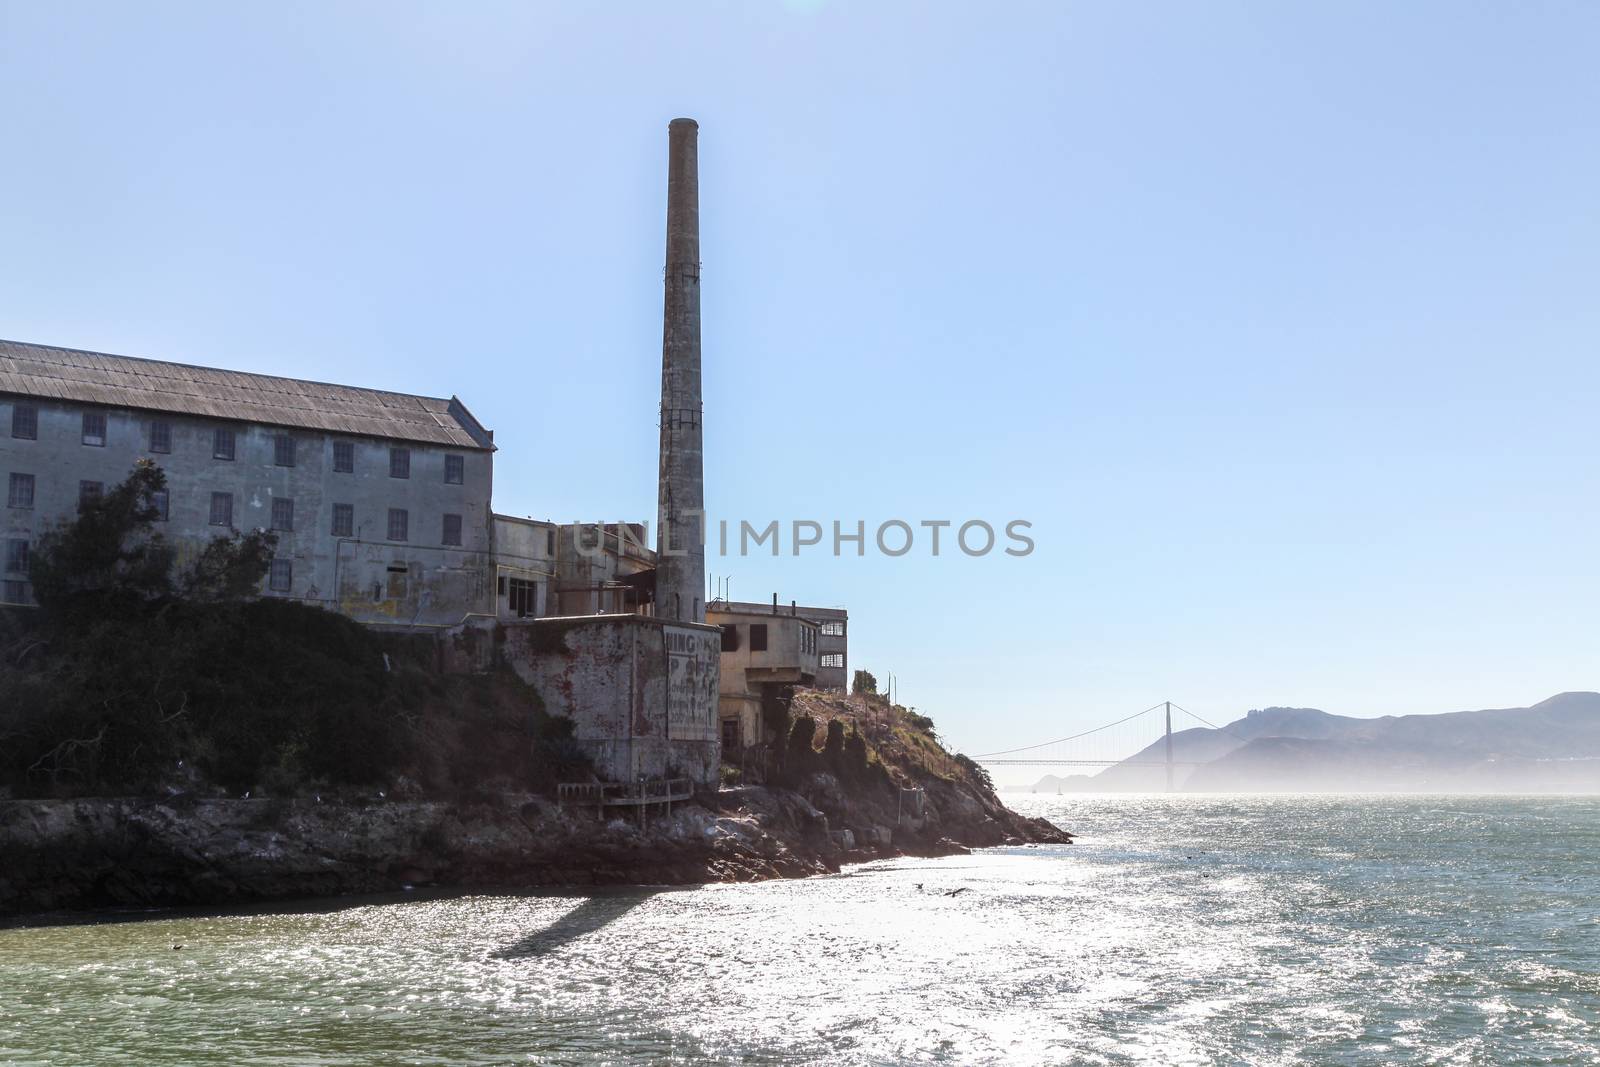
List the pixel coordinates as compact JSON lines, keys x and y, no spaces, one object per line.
{"x":1278,"y":321}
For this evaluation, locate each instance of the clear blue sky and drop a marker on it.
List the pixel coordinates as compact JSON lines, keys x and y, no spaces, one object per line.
{"x":1278,"y":321}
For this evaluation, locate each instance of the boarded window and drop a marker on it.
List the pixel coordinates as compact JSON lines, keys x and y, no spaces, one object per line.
{"x":159,"y":501}
{"x":17,"y":557}
{"x":160,"y":436}
{"x":758,"y":637}
{"x":399,"y":462}
{"x":19,"y":494}
{"x":282,"y":513}
{"x":344,"y":457}
{"x":89,"y":493}
{"x":344,"y":520}
{"x":222,"y":509}
{"x":452,"y":530}
{"x":399,"y":524}
{"x":833,"y":629}
{"x":398,"y":573}
{"x":94,"y":428}
{"x":281,"y":578}
{"x":833,"y":659}
{"x":222,"y":443}
{"x":282,"y":450}
{"x":455,"y":469}
{"x":523,"y":597}
{"x":25,"y":422}
{"x":730,"y":638}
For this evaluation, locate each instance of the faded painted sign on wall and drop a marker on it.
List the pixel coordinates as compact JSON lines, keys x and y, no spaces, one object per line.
{"x":693,"y":660}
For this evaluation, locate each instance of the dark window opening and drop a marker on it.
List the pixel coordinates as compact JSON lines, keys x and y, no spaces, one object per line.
{"x":344,"y":457}
{"x":282,"y":450}
{"x":14,"y":592}
{"x":730,"y":637}
{"x":222,"y":444}
{"x":399,"y":524}
{"x":731,"y":738}
{"x":452,"y":530}
{"x":281,"y":577}
{"x":758,"y":637}
{"x":523,"y":597}
{"x":159,"y":500}
{"x":19,"y":494}
{"x":161,"y":436}
{"x":221,"y":509}
{"x":455,"y":470}
{"x":94,"y":428}
{"x":16,"y":557}
{"x":25,"y":422}
{"x":344,"y":520}
{"x":282,"y":513}
{"x":399,"y":462}
{"x":89,"y":493}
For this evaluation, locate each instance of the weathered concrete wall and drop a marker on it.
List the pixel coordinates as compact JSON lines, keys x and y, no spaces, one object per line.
{"x":525,"y":550}
{"x":642,"y":694}
{"x":791,"y":652}
{"x":418,"y":581}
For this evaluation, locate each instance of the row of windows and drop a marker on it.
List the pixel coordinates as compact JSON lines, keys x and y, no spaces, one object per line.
{"x":224,"y":444}
{"x":20,"y":494}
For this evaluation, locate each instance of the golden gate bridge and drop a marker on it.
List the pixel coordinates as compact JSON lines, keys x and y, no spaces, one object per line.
{"x":1142,"y":739}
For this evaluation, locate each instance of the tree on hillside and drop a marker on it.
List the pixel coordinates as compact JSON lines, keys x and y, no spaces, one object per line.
{"x":113,"y":550}
{"x":110,"y":547}
{"x":864,"y":684}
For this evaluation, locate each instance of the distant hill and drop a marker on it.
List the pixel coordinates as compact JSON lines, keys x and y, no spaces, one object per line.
{"x":1553,"y":746}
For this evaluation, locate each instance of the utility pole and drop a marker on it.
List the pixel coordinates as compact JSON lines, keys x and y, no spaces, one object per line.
{"x":1169,"y":746}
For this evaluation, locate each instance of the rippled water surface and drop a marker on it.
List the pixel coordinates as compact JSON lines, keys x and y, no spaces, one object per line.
{"x":1260,"y":930}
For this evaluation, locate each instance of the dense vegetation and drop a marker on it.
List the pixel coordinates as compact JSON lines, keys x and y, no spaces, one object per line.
{"x":137,"y":674}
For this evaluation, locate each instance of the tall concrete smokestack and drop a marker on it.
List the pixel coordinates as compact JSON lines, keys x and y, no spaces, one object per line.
{"x":680,"y":504}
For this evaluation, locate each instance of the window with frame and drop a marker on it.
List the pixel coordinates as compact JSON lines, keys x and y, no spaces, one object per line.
{"x":89,"y":493}
{"x":13,"y":591}
{"x":833,"y":659}
{"x":280,"y":579}
{"x":25,"y":422}
{"x":455,"y":469}
{"x":344,"y":457}
{"x":399,"y":524}
{"x":758,"y":637}
{"x":282,"y":450}
{"x":221,"y":509}
{"x":19,"y":494}
{"x":222,"y":443}
{"x":399,"y":462}
{"x":522,"y":597}
{"x":16,"y":556}
{"x":835,"y":628}
{"x":94,"y":428}
{"x":452,"y":530}
{"x":159,"y":501}
{"x":344,"y":520}
{"x":282,"y":513}
{"x":160,"y":436}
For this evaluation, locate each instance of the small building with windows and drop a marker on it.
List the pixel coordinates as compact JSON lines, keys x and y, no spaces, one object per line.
{"x":380,"y":501}
{"x":833,"y":637}
{"x":766,"y":652}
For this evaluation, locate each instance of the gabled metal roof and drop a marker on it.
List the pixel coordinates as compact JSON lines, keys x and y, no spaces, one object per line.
{"x":51,"y":373}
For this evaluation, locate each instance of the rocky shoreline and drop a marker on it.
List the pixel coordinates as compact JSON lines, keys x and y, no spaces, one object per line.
{"x":66,"y":855}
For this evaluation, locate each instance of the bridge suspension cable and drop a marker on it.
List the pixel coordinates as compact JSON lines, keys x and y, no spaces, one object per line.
{"x":1074,"y":737}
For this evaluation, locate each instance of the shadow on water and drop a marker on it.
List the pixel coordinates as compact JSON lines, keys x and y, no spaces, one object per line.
{"x":593,"y":914}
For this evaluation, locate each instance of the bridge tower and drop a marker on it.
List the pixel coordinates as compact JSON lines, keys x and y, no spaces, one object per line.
{"x":1169,"y":746}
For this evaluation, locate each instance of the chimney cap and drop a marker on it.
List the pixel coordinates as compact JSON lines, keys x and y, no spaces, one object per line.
{"x":683,"y":122}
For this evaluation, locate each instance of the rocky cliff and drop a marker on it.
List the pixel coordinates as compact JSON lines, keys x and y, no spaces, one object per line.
{"x":912,"y":798}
